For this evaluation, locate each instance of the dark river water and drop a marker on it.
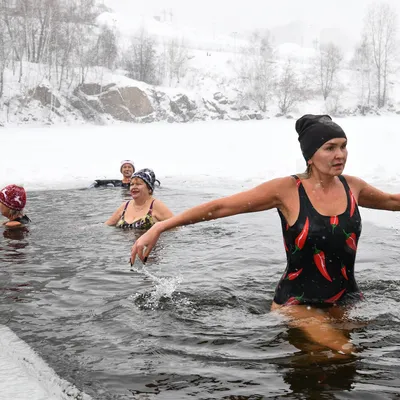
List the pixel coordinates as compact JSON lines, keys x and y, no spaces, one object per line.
{"x":194,"y":323}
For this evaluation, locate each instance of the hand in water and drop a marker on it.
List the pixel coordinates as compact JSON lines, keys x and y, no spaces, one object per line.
{"x":145,"y":244}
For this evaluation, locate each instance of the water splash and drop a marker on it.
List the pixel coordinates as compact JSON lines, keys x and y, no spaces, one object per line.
{"x":163,"y":289}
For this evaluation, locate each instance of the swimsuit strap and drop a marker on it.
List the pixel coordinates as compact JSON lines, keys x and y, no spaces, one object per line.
{"x":345,"y":184}
{"x":151,"y":207}
{"x":347,"y":189}
{"x":303,"y":197}
{"x":123,"y":212}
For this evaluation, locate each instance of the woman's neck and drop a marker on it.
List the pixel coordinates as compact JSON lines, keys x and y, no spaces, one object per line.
{"x":140,"y":202}
{"x":322,"y":181}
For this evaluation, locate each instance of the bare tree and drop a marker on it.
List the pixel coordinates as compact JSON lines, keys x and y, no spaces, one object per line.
{"x":257,"y":72}
{"x":327,"y":65}
{"x":106,"y":48}
{"x":381,"y":32}
{"x":176,"y":61}
{"x":261,"y":42}
{"x":362,"y":64}
{"x":6,"y":8}
{"x":140,"y":59}
{"x":5,"y":50}
{"x":289,"y":88}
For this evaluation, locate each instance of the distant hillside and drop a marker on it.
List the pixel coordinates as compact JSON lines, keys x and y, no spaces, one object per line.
{"x":91,"y":65}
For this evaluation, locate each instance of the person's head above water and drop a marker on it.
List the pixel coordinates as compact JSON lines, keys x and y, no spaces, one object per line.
{"x":142,"y":210}
{"x":127,"y":168}
{"x":13,"y":197}
{"x":314,"y":131}
{"x":148,"y":176}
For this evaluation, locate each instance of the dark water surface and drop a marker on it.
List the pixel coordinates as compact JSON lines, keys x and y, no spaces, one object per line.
{"x":195,"y":322}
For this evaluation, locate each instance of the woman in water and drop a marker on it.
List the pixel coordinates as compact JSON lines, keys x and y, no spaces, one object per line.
{"x":12,"y":203}
{"x":321,"y":226}
{"x":127,"y":169}
{"x":143,"y":211}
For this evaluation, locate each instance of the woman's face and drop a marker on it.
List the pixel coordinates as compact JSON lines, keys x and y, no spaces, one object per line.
{"x":138,"y":188}
{"x":4,"y":210}
{"x":127,"y":170}
{"x":331,"y":157}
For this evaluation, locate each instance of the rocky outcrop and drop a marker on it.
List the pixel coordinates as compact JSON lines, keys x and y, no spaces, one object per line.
{"x":183,"y":107}
{"x":102,"y":104}
{"x":133,"y":104}
{"x":136,"y":101}
{"x":121,"y":103}
{"x":113,"y":104}
{"x":45,"y":96}
{"x":88,"y":112}
{"x":94,"y":89}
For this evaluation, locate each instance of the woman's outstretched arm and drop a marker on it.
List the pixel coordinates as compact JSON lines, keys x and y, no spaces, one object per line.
{"x":370,"y":197}
{"x":262,"y":197}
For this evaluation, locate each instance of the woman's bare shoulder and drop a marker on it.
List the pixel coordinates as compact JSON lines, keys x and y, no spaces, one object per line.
{"x":355,"y":182}
{"x":286,"y":182}
{"x":13,"y":224}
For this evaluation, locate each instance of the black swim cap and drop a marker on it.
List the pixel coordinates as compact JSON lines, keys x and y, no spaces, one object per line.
{"x":314,"y":131}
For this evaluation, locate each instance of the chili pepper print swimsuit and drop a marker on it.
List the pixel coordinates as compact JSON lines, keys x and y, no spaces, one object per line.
{"x":320,"y":251}
{"x":143,"y":223}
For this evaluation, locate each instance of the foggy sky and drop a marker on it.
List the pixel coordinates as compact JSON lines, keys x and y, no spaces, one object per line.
{"x":226,"y":16}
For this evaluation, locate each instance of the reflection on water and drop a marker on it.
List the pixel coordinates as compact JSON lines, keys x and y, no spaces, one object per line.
{"x":320,"y":379}
{"x":15,"y":242}
{"x":194,"y":322}
{"x":16,"y":234}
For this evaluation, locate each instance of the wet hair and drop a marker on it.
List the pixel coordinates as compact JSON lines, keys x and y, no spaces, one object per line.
{"x":306,"y":174}
{"x":14,"y":213}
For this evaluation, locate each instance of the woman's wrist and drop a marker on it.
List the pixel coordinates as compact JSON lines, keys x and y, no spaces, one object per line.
{"x":160,"y":227}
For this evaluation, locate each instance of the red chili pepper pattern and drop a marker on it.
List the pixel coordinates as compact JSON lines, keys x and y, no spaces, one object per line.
{"x":351,"y":240}
{"x":318,"y":252}
{"x":294,"y":300}
{"x":352,"y":203}
{"x":301,"y":238}
{"x":294,"y":275}
{"x":336,"y":297}
{"x":334,"y":221}
{"x":319,"y":260}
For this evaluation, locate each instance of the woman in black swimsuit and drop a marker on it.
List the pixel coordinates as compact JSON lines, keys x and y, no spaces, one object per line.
{"x":12,"y":203}
{"x":321,"y":226}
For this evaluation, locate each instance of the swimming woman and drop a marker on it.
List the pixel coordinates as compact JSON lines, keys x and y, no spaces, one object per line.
{"x":127,"y":169}
{"x":143,"y":210}
{"x":321,"y":226}
{"x":12,"y":203}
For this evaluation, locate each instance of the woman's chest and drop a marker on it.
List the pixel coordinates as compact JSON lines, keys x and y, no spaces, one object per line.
{"x":325,"y":204}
